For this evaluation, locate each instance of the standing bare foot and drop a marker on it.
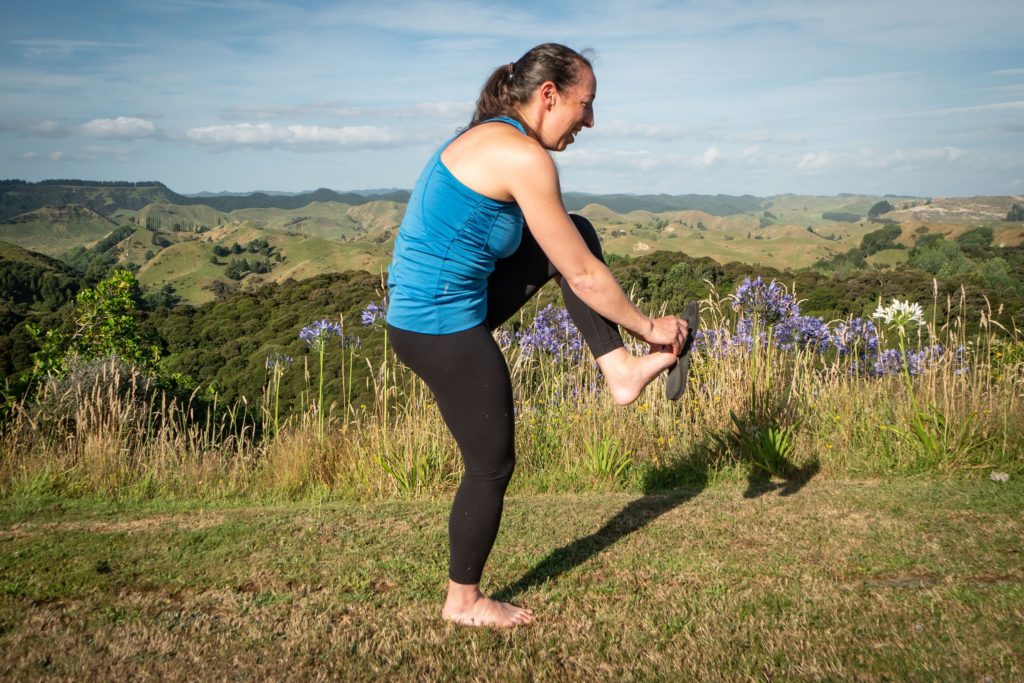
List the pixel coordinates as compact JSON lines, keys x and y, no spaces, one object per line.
{"x":466,"y":605}
{"x":627,"y":375}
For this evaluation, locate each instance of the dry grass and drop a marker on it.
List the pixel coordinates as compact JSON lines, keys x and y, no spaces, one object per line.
{"x":105,"y":430}
{"x":901,"y":580}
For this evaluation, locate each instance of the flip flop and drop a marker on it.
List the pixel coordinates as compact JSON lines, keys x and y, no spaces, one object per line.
{"x":675,"y":384}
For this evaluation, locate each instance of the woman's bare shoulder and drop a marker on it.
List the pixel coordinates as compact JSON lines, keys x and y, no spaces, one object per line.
{"x":486,"y":154}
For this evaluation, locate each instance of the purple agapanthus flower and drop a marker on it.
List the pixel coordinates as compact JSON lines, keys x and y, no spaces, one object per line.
{"x":317,"y":333}
{"x":504,"y":338}
{"x":553,"y":332}
{"x":807,"y":332}
{"x":766,"y":302}
{"x":892,"y":362}
{"x":278,"y":361}
{"x":857,"y":336}
{"x":375,"y":312}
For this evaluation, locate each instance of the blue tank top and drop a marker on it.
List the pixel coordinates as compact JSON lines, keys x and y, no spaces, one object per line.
{"x":447,"y":245}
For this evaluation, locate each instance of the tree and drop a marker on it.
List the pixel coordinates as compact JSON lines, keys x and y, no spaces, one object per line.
{"x":165,"y":297}
{"x":237,"y":269}
{"x":1016,"y":213}
{"x":883,"y":238}
{"x":878,"y":209}
{"x":976,"y":243}
{"x":103,"y":323}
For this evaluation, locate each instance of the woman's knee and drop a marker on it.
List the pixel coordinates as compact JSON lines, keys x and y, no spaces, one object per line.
{"x":588,"y":233}
{"x":499,"y":473}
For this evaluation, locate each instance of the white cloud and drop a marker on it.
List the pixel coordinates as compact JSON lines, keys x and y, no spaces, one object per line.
{"x":64,"y":48}
{"x":995,"y":106}
{"x":267,"y":135}
{"x":641,"y":160}
{"x":710,"y":156}
{"x":817,"y":160}
{"x":909,"y":157}
{"x":38,"y":79}
{"x":447,"y":109}
{"x":88,"y":153}
{"x":123,"y":127}
{"x":46,"y":129}
{"x":284,"y":111}
{"x":343,"y":110}
{"x":651,"y":131}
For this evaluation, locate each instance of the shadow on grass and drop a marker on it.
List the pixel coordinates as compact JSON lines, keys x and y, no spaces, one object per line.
{"x":760,"y":482}
{"x":688,"y":480}
{"x":749,"y":443}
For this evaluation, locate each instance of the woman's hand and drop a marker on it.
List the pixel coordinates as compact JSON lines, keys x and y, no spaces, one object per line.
{"x":668,"y":333}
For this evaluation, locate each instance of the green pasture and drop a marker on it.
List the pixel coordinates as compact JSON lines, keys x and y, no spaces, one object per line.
{"x":896,"y":580}
{"x":888,"y":257}
{"x":53,"y":231}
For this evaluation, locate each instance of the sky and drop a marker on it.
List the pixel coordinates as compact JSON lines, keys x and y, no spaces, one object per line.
{"x":907,"y":97}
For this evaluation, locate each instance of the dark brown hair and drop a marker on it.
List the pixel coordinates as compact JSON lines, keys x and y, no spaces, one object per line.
{"x":513,"y":84}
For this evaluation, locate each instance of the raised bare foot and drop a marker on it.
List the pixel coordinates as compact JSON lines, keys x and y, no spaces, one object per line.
{"x":484,"y":611}
{"x":627,"y":375}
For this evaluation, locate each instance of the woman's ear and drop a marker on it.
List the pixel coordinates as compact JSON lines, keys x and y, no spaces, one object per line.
{"x":548,"y":90}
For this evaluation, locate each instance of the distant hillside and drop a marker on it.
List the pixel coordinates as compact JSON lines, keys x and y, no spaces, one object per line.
{"x":716,"y":205}
{"x":260,"y":200}
{"x":53,"y":230}
{"x":105,"y":198}
{"x":18,"y":196}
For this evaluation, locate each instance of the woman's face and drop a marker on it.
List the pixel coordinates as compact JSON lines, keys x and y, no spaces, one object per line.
{"x":573,"y":111}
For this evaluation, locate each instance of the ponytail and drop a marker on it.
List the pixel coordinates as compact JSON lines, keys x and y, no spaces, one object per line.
{"x":513,"y":84}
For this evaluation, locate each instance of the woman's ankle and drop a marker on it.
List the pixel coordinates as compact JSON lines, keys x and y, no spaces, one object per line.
{"x":462,"y":594}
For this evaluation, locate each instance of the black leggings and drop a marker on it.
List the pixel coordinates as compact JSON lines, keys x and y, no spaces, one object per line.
{"x":469,"y":378}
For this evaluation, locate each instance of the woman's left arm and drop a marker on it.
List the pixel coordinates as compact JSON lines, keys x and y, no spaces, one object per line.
{"x":536,"y":190}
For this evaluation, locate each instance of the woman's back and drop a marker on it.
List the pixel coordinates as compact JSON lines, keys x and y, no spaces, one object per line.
{"x":449,"y":241}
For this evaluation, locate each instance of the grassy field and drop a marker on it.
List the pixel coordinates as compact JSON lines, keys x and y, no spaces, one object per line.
{"x":905,"y":579}
{"x":54,"y":230}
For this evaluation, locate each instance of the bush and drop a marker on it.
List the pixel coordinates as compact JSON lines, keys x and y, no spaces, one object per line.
{"x":100,"y":381}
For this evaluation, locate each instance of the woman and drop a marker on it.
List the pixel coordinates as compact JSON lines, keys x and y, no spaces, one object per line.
{"x":463,"y":264}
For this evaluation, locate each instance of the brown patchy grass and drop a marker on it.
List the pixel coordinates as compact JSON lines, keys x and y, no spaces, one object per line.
{"x":864,"y":580}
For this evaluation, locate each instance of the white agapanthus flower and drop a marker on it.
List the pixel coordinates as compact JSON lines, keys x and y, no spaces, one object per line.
{"x":900,"y":315}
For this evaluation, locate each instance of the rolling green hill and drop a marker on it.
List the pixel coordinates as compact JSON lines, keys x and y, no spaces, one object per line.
{"x":174,"y":238}
{"x":54,"y":230}
{"x":106,"y":198}
{"x":188,"y":265}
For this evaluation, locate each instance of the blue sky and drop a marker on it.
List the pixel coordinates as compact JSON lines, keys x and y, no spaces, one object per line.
{"x":730,"y":96}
